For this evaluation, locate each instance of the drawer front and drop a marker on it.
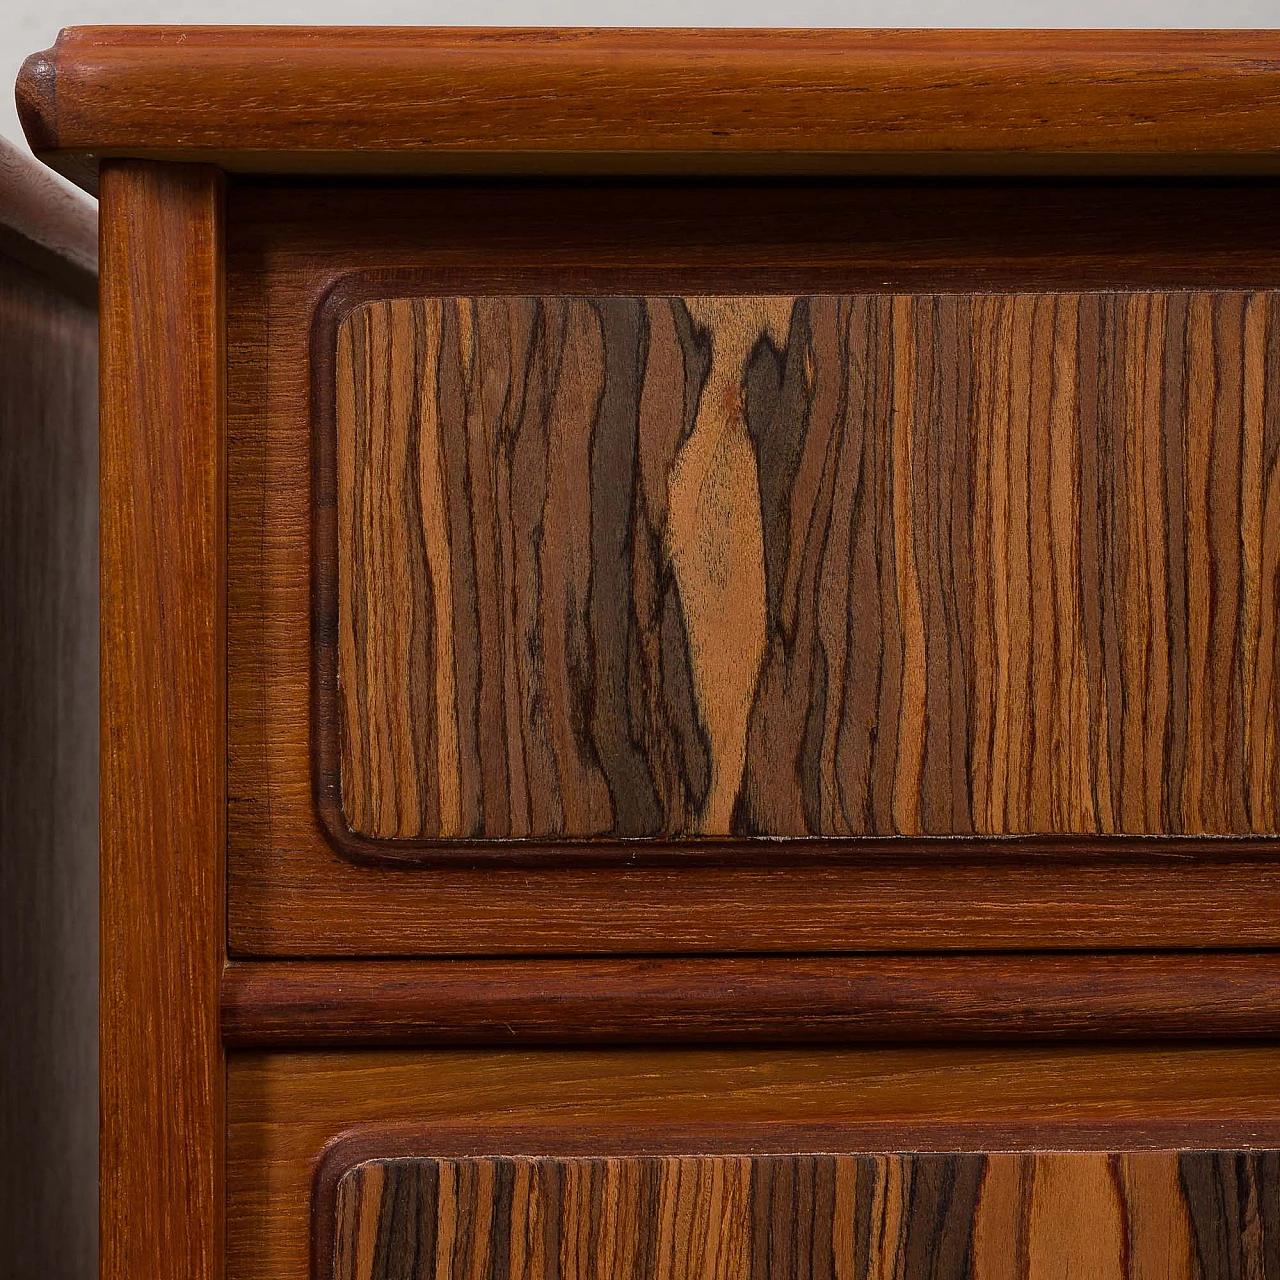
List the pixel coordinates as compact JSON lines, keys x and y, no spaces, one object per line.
{"x":680,"y":570}
{"x":954,"y":1216}
{"x":1127,"y":1162}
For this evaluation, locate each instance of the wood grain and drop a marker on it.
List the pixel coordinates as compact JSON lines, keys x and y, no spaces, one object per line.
{"x":914,"y":1217}
{"x":48,"y":734}
{"x":844,"y":999}
{"x":834,"y":566}
{"x":383,"y":100}
{"x":295,"y":1118}
{"x":293,"y":248}
{"x":163,"y":704}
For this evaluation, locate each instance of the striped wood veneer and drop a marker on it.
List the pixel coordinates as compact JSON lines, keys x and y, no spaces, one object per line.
{"x":1203,"y":1215}
{"x":809,"y":566}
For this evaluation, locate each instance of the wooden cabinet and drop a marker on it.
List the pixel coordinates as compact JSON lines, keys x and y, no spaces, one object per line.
{"x":691,"y":660}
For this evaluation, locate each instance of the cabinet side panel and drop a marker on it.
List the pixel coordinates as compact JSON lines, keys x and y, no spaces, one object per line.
{"x":48,"y":785}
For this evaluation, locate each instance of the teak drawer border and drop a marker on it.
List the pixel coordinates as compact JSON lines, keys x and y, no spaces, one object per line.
{"x":295,"y":1114}
{"x":294,"y":246}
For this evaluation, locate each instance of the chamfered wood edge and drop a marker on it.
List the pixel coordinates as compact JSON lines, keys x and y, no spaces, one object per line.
{"x":163,"y":803}
{"x":656,"y":100}
{"x":841,"y":999}
{"x":48,"y":227}
{"x":361,"y":1145}
{"x":35,"y":94}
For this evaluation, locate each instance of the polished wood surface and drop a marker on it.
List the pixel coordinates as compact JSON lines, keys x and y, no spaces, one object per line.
{"x":759,"y":565}
{"x":1144,"y":826}
{"x":48,"y":728}
{"x":162,"y":785}
{"x":836,"y":999}
{"x":298,"y":1120}
{"x":386,"y":100}
{"x":295,"y":247}
{"x":913,"y":1217}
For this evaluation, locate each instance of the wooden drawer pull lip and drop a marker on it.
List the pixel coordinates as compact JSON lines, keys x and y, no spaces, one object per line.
{"x":810,"y":1000}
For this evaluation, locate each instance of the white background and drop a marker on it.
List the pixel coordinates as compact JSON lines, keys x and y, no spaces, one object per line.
{"x":28,"y":25}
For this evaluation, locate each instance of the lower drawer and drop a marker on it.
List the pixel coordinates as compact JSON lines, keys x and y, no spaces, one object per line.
{"x":929,"y":1162}
{"x":929,"y":1215}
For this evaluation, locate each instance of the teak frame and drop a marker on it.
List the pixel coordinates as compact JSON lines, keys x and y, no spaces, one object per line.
{"x":163,"y":794}
{"x":152,"y":116}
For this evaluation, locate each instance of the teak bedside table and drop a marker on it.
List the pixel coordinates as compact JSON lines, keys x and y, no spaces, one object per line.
{"x":690,"y":652}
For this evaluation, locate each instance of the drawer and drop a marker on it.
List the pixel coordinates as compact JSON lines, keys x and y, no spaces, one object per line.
{"x":719,"y":1164}
{"x":754,"y":567}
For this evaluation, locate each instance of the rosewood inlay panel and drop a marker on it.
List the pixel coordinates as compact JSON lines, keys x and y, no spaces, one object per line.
{"x":873,"y":564}
{"x":1203,"y":1214}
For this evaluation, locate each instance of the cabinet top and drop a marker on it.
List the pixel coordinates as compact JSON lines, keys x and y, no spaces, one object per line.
{"x":383,"y":101}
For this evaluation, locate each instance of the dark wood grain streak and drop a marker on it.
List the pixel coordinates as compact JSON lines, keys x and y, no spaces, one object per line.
{"x":751,"y":999}
{"x":963,"y":1216}
{"x":48,"y":729}
{"x":385,"y":100}
{"x":833,"y":566}
{"x":296,"y":245}
{"x":163,"y":793}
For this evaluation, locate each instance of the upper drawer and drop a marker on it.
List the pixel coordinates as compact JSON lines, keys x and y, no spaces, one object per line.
{"x":596,"y":553}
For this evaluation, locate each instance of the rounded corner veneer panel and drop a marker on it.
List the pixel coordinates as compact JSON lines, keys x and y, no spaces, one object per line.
{"x":917,"y":1216}
{"x":662,"y":568}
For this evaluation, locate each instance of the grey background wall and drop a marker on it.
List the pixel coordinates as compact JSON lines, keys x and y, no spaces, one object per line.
{"x":26,"y":25}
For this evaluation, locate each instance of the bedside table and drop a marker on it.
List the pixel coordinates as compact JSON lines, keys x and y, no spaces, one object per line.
{"x":689,"y":650}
